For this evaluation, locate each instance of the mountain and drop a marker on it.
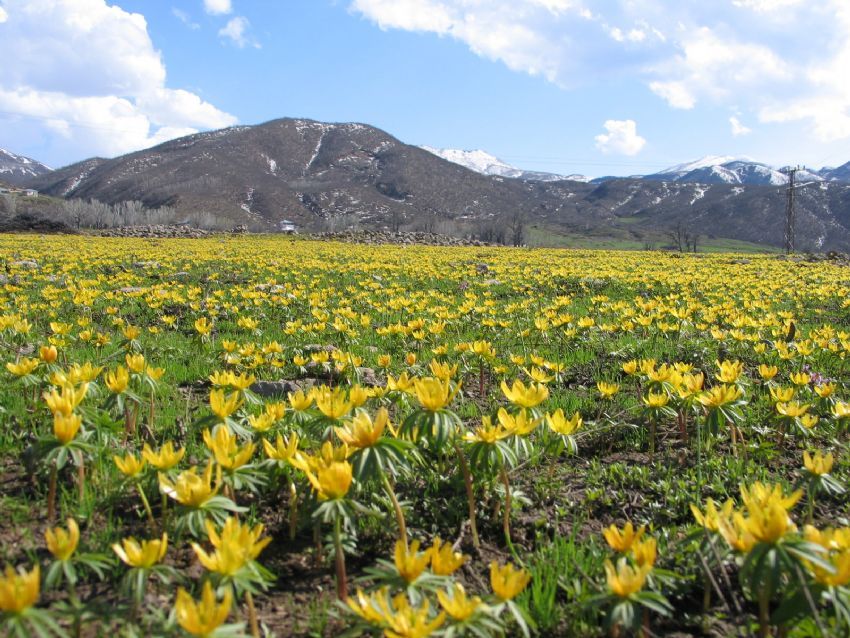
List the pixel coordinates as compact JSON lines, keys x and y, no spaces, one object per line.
{"x":17,"y":169}
{"x":726,"y":169}
{"x":486,"y":164}
{"x":322,"y":175}
{"x":840,"y":174}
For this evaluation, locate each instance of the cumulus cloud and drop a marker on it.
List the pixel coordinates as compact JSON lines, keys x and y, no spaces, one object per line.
{"x":738,"y":129}
{"x":621,"y":138}
{"x":3,"y":15}
{"x":91,"y":81}
{"x":755,"y":54}
{"x":236,"y":30}
{"x":218,"y":7}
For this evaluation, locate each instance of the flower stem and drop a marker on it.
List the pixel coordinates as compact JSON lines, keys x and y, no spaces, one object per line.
{"x":51,"y":494}
{"x":252,"y":615}
{"x":506,"y":514}
{"x":341,"y":579}
{"x":399,"y":514}
{"x":147,"y":506}
{"x":470,"y":495}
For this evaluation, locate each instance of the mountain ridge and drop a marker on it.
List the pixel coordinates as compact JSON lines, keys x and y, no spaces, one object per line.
{"x":333,"y":175}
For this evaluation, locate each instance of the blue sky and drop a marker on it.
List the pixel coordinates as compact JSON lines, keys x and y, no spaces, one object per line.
{"x":570,"y":86}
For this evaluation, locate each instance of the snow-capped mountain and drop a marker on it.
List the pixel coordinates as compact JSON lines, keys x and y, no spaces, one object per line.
{"x":487,"y":164}
{"x":16,"y":169}
{"x":727,"y":169}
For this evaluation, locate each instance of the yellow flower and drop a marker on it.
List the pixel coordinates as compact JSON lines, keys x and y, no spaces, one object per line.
{"x":622,"y":541}
{"x":759,"y":495}
{"x":645,"y":552}
{"x":405,"y":621}
{"x":841,"y":410}
{"x":204,"y":617}
{"x":65,"y":402}
{"x":820,"y":464}
{"x":283,"y":449}
{"x":410,"y":562}
{"x":236,"y":546}
{"x":130,"y":465}
{"x":457,"y":604}
{"x":131,"y":332}
{"x":434,"y":394}
{"x":332,"y":402}
{"x":331,"y":481}
{"x":165,"y":458}
{"x":19,"y":590}
{"x":792,"y":409}
{"x":357,"y":396}
{"x":65,"y":428}
{"x":719,"y":395}
{"x":117,"y":380}
{"x":507,"y":581}
{"x":360,"y":432}
{"x":136,"y":362}
{"x":368,"y":607}
{"x":710,"y":520}
{"x":442,"y":370}
{"x":520,"y":424}
{"x":224,"y":447}
{"x":145,"y":554}
{"x":488,"y":433}
{"x":767,"y":372}
{"x":800,"y":378}
{"x":62,"y":543}
{"x":607,"y":390}
{"x":825,"y":390}
{"x":525,"y":397}
{"x":299,"y":400}
{"x":444,"y":560}
{"x":189,"y":489}
{"x":155,"y":373}
{"x":691,"y":384}
{"x":224,"y":406}
{"x":403,"y":384}
{"x":809,"y":421}
{"x":560,"y":424}
{"x":782,"y":394}
{"x":23,"y":367}
{"x":625,"y":580}
{"x":48,"y":354}
{"x":203,"y":327}
{"x":656,"y":400}
{"x":729,"y":371}
{"x":768,"y":522}
{"x":630,"y":367}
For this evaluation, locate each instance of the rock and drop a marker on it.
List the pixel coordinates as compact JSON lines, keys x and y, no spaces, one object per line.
{"x":27,"y":264}
{"x":130,"y":290}
{"x":280,"y":388}
{"x":156,"y":231}
{"x":368,"y":377}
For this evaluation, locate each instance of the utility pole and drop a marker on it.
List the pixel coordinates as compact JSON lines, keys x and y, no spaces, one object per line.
{"x":790,"y":212}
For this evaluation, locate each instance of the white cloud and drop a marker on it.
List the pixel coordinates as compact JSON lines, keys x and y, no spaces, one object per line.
{"x":756,"y":54}
{"x":91,"y":81}
{"x":738,"y":128}
{"x":622,"y":138}
{"x":676,"y":94}
{"x":218,"y":7}
{"x":3,"y":15}
{"x":185,"y":18}
{"x":236,"y":30}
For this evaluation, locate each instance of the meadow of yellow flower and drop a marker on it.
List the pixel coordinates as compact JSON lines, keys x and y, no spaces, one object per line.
{"x":255,"y":435}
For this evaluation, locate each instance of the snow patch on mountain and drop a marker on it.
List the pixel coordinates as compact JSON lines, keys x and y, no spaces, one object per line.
{"x":17,"y":168}
{"x":487,"y":164}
